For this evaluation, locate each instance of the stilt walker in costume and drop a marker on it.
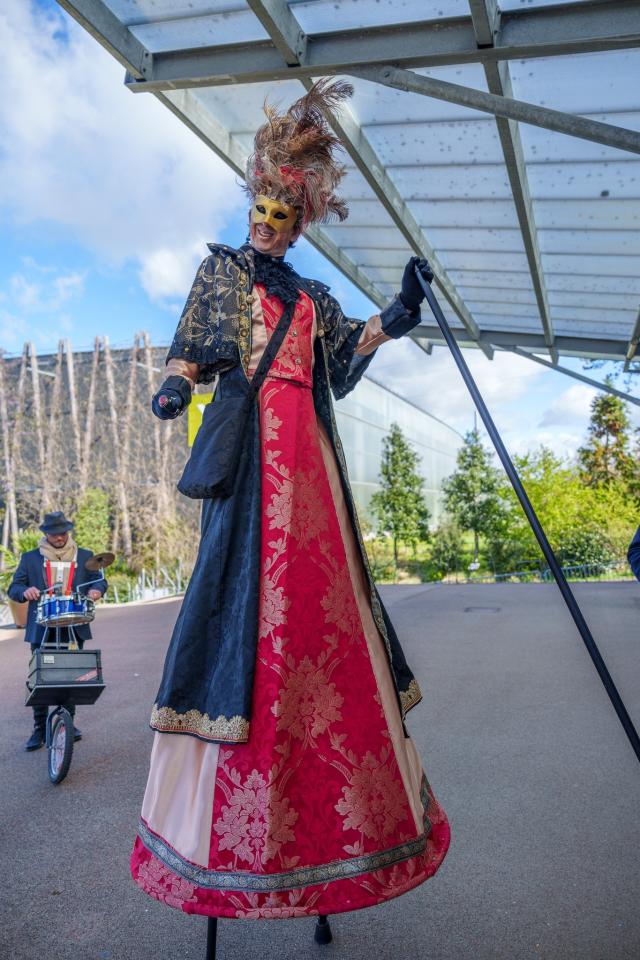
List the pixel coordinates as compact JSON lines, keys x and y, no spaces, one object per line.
{"x":283,"y":782}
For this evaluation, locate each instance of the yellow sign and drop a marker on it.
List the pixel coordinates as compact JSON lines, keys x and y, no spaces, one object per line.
{"x":195,"y":414}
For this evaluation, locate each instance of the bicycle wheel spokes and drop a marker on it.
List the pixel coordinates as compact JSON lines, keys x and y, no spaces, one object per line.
{"x":60,"y":746}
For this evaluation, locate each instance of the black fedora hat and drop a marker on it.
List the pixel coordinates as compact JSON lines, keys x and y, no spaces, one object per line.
{"x":55,"y":523}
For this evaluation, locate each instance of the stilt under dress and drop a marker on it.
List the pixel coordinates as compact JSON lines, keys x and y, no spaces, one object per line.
{"x":326,"y":807}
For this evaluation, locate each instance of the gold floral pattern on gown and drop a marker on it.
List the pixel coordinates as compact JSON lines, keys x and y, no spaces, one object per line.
{"x":308,"y":703}
{"x":256,"y":821}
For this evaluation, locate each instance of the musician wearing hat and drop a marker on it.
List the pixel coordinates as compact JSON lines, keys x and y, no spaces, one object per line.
{"x":56,"y":560}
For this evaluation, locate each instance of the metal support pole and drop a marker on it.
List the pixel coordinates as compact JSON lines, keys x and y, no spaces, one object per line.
{"x":322,"y":933}
{"x":212,"y":933}
{"x":532,"y":517}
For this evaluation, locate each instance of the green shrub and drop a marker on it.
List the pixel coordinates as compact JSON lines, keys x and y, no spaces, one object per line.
{"x":92,"y":529}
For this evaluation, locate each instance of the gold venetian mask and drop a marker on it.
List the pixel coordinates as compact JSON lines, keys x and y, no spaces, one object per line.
{"x":280,"y":216}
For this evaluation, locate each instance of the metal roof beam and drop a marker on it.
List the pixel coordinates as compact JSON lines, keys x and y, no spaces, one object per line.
{"x":410,"y":44}
{"x":588,"y":347}
{"x":568,"y":28}
{"x":485,"y":18}
{"x":500,"y":106}
{"x":576,"y":376}
{"x":283,"y":28}
{"x":633,"y":343}
{"x":103,"y":25}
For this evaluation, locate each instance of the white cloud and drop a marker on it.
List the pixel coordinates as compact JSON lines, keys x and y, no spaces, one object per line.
{"x":25,"y":294}
{"x":34,"y":295}
{"x":563,"y":443}
{"x":434,"y":381}
{"x":573,"y":406}
{"x":13,"y":331}
{"x":117,"y":169}
{"x":67,"y":286}
{"x":166,"y":273}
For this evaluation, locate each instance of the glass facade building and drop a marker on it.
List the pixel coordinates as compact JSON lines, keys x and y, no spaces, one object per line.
{"x":364,"y":419}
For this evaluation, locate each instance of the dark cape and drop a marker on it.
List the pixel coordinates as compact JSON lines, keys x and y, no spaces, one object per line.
{"x":207,"y":684}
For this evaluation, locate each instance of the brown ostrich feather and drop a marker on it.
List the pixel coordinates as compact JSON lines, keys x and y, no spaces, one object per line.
{"x":294,"y":156}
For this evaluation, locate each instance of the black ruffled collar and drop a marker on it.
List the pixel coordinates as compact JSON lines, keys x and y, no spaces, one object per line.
{"x":278,"y":277}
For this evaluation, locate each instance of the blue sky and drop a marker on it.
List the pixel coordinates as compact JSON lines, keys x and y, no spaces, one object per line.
{"x":106,"y":204}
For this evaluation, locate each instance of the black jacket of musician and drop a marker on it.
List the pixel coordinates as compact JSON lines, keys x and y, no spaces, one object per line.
{"x":31,"y":573}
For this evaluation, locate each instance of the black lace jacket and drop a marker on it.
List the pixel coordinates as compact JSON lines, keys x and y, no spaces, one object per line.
{"x":215,"y":327}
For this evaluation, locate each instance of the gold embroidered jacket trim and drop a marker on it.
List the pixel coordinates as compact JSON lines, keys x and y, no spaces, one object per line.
{"x":410,"y":697}
{"x":224,"y":729}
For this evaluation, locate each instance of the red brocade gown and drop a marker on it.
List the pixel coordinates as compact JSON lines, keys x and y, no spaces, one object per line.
{"x":326,"y":807}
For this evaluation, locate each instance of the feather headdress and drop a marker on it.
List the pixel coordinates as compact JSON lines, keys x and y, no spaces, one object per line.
{"x":294,"y":155}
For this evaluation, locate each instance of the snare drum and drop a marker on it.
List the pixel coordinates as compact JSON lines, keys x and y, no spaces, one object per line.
{"x":66,"y":611}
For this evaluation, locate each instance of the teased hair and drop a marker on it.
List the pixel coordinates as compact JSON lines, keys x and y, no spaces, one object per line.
{"x":294,"y":155}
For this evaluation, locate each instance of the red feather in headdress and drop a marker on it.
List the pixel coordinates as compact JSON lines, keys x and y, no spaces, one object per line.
{"x":294,"y":154}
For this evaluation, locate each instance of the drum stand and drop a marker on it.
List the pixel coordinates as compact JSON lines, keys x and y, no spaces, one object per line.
{"x":56,"y":645}
{"x":322,"y":934}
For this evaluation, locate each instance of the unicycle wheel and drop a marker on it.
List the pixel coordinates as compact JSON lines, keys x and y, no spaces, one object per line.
{"x":60,"y":746}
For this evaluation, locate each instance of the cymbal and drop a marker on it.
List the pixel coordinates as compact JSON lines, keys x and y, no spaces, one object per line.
{"x":99,"y":560}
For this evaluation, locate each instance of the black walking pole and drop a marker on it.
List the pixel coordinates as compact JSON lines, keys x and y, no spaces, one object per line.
{"x":212,"y":933}
{"x":322,"y":934}
{"x":532,"y":517}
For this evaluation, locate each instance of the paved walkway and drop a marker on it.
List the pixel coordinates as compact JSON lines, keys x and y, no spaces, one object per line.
{"x":518,"y":739}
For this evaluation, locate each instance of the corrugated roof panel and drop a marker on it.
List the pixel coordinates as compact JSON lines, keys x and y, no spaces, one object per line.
{"x":585,"y":181}
{"x":209,"y":30}
{"x":464,"y":214}
{"x":465,"y":182}
{"x":423,"y":144}
{"x":483,"y":260}
{"x":320,"y":16}
{"x":581,"y":83}
{"x":139,"y":11}
{"x":501,"y":279}
{"x":599,"y":242}
{"x":599,"y":213}
{"x":588,"y":265}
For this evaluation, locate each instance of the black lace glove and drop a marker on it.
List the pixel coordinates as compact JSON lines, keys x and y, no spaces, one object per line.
{"x":411,"y":292}
{"x":172,"y":399}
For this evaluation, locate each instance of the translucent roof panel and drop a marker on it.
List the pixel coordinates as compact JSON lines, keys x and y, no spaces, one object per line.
{"x":319,"y":16}
{"x":534,"y":233}
{"x":507,"y":5}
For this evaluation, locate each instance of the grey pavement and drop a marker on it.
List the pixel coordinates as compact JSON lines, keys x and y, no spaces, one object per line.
{"x":519,"y":742}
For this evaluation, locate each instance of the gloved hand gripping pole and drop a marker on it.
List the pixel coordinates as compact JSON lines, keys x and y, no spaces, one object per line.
{"x":534,"y":522}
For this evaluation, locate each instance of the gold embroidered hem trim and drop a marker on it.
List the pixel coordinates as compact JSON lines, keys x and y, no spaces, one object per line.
{"x":228,"y":730}
{"x":244,"y":880}
{"x":410,"y":697}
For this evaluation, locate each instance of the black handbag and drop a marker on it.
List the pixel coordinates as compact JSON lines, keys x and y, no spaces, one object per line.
{"x":211,"y":469}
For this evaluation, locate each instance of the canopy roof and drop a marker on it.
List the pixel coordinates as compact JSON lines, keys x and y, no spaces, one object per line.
{"x":500,"y":141}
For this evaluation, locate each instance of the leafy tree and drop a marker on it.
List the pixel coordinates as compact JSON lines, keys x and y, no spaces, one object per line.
{"x":605,"y":456}
{"x":446,"y":548}
{"x":400,"y":507}
{"x":584,"y":524}
{"x":472,"y":493}
{"x":27,"y":539}
{"x":92,"y":528}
